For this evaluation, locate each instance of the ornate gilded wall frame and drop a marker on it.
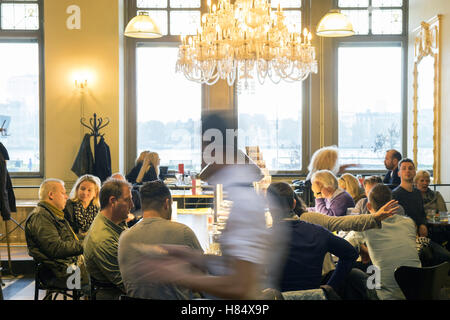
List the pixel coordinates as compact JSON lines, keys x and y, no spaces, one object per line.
{"x":427,"y":45}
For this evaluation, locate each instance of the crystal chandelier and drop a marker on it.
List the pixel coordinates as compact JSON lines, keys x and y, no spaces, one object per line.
{"x":235,"y":41}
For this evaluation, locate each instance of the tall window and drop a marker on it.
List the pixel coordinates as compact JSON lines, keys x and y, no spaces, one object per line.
{"x":370,"y":104}
{"x":370,"y":82}
{"x":271,"y":118}
{"x":168,"y":109}
{"x":20,"y":41}
{"x":168,"y":106}
{"x":270,"y":115}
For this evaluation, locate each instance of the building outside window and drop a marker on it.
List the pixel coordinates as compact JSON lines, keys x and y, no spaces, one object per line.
{"x":370,"y":73}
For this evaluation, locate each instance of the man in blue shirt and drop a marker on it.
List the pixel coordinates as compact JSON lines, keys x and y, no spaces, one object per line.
{"x":306,"y":245}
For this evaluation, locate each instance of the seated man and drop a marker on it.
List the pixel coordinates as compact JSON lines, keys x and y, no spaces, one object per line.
{"x":50,"y":239}
{"x":409,"y":197}
{"x":102,"y":240}
{"x":155,"y":228}
{"x":330,"y":199}
{"x":361,"y":206}
{"x":391,"y":162}
{"x":306,"y":246}
{"x":392,"y":246}
{"x":136,"y":213}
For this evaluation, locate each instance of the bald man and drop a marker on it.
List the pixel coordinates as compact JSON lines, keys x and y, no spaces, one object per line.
{"x":50,"y":239}
{"x":391,"y":160}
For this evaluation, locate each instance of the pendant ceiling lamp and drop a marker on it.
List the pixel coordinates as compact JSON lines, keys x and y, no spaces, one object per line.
{"x":335,"y":24}
{"x":142,"y":26}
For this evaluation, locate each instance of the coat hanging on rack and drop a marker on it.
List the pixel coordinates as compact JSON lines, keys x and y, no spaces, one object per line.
{"x":7,"y":197}
{"x":84,"y":162}
{"x":102,"y":167}
{"x":98,"y":164}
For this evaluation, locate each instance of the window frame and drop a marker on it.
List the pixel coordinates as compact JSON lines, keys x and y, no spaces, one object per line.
{"x":305,"y":105}
{"x":32,"y":36}
{"x":131,"y":44}
{"x":371,"y":40}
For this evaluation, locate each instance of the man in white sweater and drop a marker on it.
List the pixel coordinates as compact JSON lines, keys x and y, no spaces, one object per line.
{"x":390,"y":247}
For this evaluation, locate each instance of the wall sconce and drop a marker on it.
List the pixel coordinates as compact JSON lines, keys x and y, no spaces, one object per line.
{"x":81,"y":78}
{"x":81,"y":84}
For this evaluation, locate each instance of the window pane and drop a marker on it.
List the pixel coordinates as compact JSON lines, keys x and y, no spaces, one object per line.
{"x":387,"y":3}
{"x":425,"y":114}
{"x":185,"y":3}
{"x":160,"y":18}
{"x":168,"y":109}
{"x":359,"y":19}
{"x":370,"y":104}
{"x":293,"y":20}
{"x":19,"y":102}
{"x":184,"y":22}
{"x":387,"y":21}
{"x":354,"y":3}
{"x":271,"y":118}
{"x":20,"y":16}
{"x":286,"y":3}
{"x":151,"y":3}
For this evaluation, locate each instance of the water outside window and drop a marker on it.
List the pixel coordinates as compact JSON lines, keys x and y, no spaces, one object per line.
{"x":168,"y":109}
{"x":270,"y":116}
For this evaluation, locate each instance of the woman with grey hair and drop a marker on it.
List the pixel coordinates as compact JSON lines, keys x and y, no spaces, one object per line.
{"x":432,"y":200}
{"x":330,"y":199}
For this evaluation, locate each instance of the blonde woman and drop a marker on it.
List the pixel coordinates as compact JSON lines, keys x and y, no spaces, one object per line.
{"x":326,"y":158}
{"x":146,"y":168}
{"x":431,"y":199}
{"x":349,"y":183}
{"x":83,"y":204}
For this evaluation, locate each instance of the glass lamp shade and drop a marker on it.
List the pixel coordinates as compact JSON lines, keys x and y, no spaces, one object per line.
{"x":142,"y":26}
{"x":335,"y":24}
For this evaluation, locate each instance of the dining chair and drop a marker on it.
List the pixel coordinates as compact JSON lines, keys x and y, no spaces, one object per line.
{"x":422,"y":283}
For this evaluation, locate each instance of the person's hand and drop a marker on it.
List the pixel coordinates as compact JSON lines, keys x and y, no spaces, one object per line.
{"x":423,"y":231}
{"x":386,"y":211}
{"x":316,"y":189}
{"x":327,"y":192}
{"x":344,"y":167}
{"x":130,"y":217}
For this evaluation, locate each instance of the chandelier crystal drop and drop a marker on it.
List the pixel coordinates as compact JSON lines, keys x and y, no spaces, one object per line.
{"x":244,"y":41}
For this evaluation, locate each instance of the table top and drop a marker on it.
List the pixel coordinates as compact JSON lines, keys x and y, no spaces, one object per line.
{"x":438,"y":223}
{"x":188,"y":194}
